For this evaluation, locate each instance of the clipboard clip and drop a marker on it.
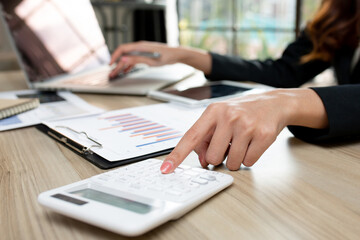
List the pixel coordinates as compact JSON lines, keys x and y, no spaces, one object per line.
{"x":80,"y":149}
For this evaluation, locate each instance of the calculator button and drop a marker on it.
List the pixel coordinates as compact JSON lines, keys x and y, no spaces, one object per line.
{"x":166,"y":185}
{"x":184,"y":177}
{"x":208,"y":177}
{"x":136,"y":185}
{"x":182,"y":189}
{"x":191,"y":173}
{"x":200,"y":181}
{"x":199,"y":170}
{"x":193,"y":185}
{"x":121,"y":180}
{"x":155,"y":188}
{"x":173,"y":192}
{"x":131,"y":176}
{"x":178,"y":170}
{"x":184,"y":167}
{"x":148,"y":179}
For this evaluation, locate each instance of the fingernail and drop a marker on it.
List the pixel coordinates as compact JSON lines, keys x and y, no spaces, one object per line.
{"x":124,"y":59}
{"x":166,"y":167}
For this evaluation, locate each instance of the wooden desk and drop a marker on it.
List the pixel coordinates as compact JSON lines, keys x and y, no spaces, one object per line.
{"x":295,"y":191}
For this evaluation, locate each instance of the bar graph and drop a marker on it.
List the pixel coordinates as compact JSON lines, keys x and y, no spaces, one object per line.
{"x":130,"y":133}
{"x":146,"y":131}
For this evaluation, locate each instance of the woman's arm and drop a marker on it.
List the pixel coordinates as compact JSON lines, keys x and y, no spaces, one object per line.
{"x":197,"y":58}
{"x":241,"y":129}
{"x":286,"y":71}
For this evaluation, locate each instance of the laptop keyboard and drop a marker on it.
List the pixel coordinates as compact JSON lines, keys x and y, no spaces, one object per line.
{"x":100,"y":78}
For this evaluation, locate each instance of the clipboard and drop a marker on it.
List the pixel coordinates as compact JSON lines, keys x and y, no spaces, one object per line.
{"x":120,"y":137}
{"x":92,"y":157}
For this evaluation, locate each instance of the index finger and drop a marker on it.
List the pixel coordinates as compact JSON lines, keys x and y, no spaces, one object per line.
{"x":188,"y":143}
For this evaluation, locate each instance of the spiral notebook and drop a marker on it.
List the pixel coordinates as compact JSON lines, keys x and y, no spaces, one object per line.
{"x":10,"y":107}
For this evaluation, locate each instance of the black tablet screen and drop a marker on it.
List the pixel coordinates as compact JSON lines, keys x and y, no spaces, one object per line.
{"x":207,"y":92}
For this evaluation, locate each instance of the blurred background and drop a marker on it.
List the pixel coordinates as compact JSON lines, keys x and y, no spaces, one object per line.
{"x":247,"y":28}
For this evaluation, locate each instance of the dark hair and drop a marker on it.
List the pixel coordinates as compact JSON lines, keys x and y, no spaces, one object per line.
{"x":335,"y":24}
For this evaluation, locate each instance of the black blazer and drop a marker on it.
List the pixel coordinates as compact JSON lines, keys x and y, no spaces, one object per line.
{"x":342,"y":102}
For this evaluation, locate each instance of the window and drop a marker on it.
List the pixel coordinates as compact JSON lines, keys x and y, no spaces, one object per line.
{"x":249,"y":28}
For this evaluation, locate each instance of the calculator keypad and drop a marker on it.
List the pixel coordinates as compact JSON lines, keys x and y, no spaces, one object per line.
{"x":145,"y":179}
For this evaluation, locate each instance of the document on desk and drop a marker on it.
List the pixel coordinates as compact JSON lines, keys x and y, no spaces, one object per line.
{"x":126,"y":134}
{"x":53,"y":105}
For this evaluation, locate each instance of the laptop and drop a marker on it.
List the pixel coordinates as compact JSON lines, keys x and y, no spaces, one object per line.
{"x":60,"y":46}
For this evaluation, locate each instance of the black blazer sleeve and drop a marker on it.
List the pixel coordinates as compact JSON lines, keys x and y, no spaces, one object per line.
{"x":284,"y":72}
{"x":342,"y":104}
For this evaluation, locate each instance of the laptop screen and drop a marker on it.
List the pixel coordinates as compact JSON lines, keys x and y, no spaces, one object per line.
{"x":55,"y":37}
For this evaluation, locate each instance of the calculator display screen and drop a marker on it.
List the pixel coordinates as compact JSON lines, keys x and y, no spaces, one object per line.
{"x":115,"y":201}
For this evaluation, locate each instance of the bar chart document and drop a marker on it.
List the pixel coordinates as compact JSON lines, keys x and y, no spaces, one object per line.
{"x":128,"y":133}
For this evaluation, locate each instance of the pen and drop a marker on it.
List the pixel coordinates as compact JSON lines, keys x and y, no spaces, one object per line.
{"x":143,"y":54}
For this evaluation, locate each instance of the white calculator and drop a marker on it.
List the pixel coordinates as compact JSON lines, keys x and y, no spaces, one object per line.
{"x":134,"y":199}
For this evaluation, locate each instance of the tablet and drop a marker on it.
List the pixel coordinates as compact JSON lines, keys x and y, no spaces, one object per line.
{"x":206,"y":94}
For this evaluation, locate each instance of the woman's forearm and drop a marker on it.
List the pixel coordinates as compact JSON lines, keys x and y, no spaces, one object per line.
{"x":305,"y":108}
{"x":197,"y":58}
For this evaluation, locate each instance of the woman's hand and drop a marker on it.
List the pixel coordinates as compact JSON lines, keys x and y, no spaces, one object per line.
{"x":125,"y":63}
{"x":168,"y":55}
{"x":241,"y":129}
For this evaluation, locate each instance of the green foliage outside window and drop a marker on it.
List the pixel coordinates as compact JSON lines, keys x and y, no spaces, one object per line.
{"x":248,"y":28}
